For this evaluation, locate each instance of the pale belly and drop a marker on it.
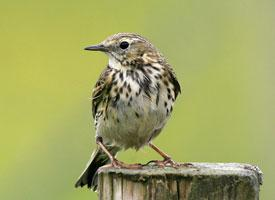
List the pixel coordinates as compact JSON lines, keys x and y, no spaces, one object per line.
{"x":132,"y":125}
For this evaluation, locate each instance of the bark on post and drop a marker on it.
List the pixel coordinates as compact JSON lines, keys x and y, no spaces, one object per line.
{"x":213,"y":181}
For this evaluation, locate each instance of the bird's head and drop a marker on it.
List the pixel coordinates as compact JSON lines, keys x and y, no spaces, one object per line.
{"x":127,"y":50}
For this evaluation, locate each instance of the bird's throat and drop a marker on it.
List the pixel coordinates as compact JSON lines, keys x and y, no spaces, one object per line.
{"x":114,"y":63}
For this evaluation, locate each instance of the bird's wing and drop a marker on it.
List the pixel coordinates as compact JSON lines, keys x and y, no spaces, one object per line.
{"x":175,"y":82}
{"x":172,"y":78}
{"x":101,"y":89}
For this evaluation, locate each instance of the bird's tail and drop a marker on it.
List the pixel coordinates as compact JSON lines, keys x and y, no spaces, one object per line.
{"x":98,"y":159}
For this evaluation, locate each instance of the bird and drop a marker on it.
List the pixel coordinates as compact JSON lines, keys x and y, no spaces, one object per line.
{"x":131,"y":102}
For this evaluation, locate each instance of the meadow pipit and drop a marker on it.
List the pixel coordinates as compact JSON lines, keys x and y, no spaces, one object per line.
{"x":131,"y":101}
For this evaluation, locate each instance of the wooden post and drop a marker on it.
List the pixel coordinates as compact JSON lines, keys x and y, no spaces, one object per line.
{"x":217,"y":181}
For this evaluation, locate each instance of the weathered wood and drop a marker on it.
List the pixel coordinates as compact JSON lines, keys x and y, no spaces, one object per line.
{"x":217,"y":181}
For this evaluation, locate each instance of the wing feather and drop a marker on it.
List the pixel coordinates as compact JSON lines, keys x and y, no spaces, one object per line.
{"x":101,"y":89}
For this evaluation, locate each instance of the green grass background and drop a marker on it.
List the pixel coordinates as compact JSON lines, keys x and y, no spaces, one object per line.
{"x":222,"y":52}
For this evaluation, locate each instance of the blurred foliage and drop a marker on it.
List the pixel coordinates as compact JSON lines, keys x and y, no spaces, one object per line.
{"x":222,"y":52}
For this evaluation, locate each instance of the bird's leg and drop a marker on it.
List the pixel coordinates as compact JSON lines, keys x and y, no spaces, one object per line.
{"x":114,"y":162}
{"x":167,"y":158}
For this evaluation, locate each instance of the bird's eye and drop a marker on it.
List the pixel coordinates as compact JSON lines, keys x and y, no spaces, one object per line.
{"x":124,"y":45}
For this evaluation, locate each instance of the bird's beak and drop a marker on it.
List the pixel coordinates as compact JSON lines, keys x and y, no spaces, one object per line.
{"x":99,"y":47}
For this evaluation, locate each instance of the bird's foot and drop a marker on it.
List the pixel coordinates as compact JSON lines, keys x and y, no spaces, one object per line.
{"x":167,"y":162}
{"x":119,"y":164}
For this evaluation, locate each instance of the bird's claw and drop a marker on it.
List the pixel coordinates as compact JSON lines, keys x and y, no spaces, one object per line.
{"x":165,"y":163}
{"x":170,"y":162}
{"x":115,"y":163}
{"x":118,"y":164}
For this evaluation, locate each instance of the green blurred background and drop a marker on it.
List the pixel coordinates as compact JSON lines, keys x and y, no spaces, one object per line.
{"x":222,"y":52}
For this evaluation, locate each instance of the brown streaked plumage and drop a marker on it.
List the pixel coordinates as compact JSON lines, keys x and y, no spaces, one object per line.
{"x":131,"y":101}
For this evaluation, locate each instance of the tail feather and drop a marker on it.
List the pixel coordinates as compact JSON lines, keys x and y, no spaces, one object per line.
{"x":89,"y":175}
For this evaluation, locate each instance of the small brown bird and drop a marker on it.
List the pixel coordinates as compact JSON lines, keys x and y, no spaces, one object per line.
{"x":131,"y":101}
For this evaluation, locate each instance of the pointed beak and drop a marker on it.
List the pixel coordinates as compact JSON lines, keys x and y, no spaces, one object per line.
{"x":99,"y":47}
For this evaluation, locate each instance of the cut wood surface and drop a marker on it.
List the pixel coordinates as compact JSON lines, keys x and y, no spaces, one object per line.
{"x":213,"y":181}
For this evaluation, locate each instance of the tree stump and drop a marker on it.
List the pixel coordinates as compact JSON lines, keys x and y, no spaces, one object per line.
{"x":212,"y":181}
